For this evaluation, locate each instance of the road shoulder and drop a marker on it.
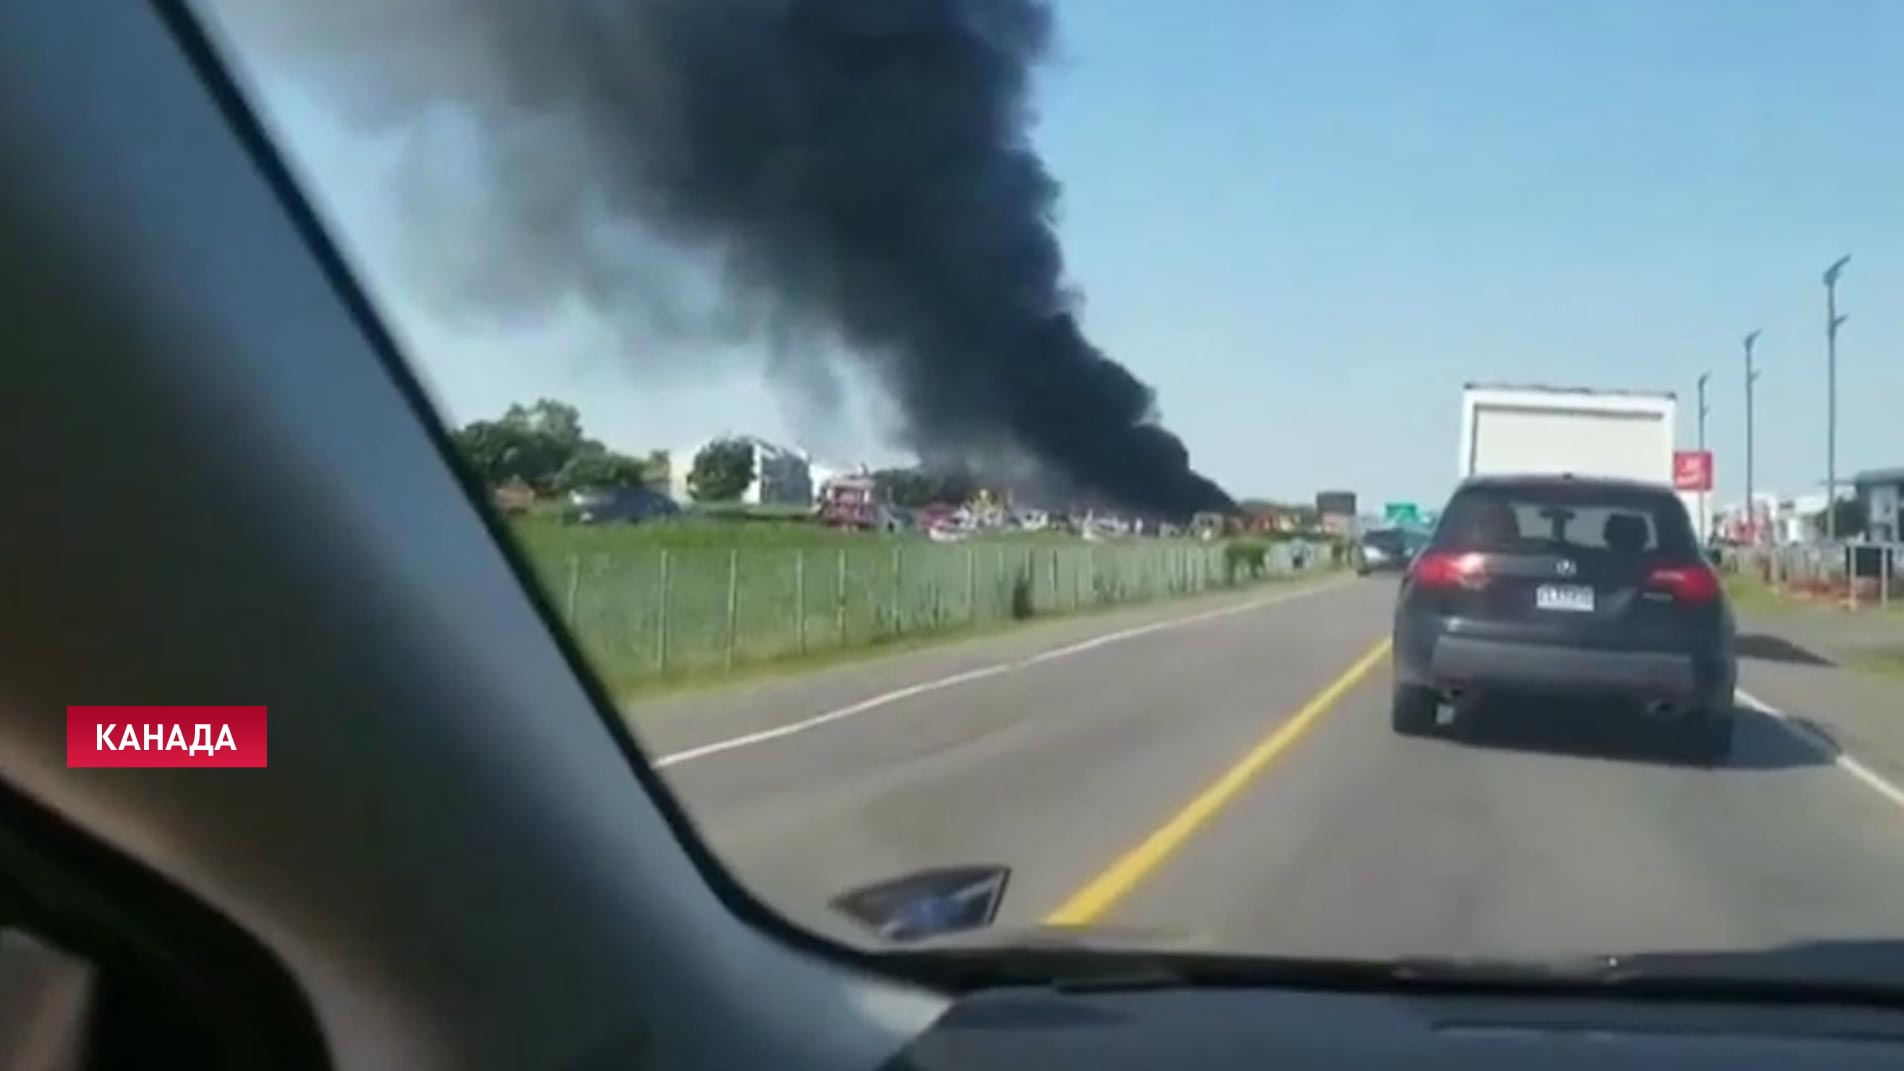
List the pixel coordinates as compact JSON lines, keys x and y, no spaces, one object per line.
{"x":1805,"y":665}
{"x":681,"y":723}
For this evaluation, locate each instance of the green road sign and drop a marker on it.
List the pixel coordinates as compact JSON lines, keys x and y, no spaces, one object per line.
{"x":1401,"y":513}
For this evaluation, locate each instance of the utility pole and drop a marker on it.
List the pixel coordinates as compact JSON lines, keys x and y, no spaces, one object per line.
{"x":1751,"y":377}
{"x":1832,"y":322}
{"x":1705,"y":511}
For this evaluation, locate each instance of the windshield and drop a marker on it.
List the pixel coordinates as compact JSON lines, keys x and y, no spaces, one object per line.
{"x":1553,"y":518}
{"x":1390,"y":542}
{"x":979,"y":434}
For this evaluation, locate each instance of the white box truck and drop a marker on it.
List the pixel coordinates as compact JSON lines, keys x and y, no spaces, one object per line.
{"x":1510,"y":429}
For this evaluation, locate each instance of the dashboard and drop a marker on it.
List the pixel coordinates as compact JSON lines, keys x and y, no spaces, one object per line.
{"x":1222,"y":1029}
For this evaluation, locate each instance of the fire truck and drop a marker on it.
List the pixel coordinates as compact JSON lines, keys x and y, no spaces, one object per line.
{"x":854,"y":501}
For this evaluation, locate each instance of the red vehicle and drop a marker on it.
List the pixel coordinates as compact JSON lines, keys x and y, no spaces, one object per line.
{"x":852,"y":502}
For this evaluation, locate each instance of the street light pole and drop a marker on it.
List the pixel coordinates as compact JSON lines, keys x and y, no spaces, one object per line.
{"x":1832,"y":322}
{"x":1705,"y":512}
{"x":1751,"y":377}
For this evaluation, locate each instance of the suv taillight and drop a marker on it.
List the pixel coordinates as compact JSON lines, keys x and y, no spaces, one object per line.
{"x":1442,"y":569}
{"x":1686,"y":583}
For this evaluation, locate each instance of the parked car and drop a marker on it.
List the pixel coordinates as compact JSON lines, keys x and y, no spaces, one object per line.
{"x":621,"y":505}
{"x":1551,"y":586}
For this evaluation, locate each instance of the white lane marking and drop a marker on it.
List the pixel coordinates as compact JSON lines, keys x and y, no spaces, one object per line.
{"x":818,"y":720}
{"x":1841,"y":758}
{"x":970,"y":675}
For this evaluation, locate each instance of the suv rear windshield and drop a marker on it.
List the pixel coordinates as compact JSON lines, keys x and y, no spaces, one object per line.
{"x":1541,"y":518}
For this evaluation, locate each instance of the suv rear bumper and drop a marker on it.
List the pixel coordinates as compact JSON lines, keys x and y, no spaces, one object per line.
{"x":1430,"y":656}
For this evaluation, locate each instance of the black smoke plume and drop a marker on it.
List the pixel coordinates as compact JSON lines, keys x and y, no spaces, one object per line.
{"x":859,"y":164}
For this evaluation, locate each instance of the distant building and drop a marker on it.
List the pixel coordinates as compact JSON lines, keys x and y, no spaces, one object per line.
{"x":1798,"y":519}
{"x":783,"y":475}
{"x":1777,"y":520}
{"x":1881,"y":492}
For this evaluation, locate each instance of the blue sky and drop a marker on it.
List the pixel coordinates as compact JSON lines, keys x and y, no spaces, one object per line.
{"x":1307,"y":224}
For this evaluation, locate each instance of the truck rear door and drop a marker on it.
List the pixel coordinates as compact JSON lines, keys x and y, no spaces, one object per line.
{"x":1551,"y":437}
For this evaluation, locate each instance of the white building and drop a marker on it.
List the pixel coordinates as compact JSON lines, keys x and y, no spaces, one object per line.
{"x":1781,"y":519}
{"x":783,"y":475}
{"x":1882,"y":492}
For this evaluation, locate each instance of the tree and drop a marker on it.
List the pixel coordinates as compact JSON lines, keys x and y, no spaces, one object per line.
{"x":1851,"y":517}
{"x":501,"y":450}
{"x":594,"y":465}
{"x":905,"y":488}
{"x":722,"y":471}
{"x":542,"y":445}
{"x":558,"y":423}
{"x":916,"y":488}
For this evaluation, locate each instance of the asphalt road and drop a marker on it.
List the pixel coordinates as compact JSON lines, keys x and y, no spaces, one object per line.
{"x":1222,"y":775}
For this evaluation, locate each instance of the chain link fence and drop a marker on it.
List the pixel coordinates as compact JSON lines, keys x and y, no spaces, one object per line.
{"x":1859,"y":571}
{"x":648,"y":613}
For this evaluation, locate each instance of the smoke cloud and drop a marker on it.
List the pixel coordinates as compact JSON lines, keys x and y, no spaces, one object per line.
{"x":860,"y":165}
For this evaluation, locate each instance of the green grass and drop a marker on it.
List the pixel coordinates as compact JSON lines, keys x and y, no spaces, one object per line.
{"x":1753,"y":595}
{"x":1882,"y":661}
{"x":641,"y":685}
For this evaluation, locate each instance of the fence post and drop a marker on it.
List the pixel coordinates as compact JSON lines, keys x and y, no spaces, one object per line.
{"x":1056,"y":604}
{"x":661,"y":628}
{"x":800,"y":601}
{"x":575,"y":582}
{"x":998,"y":574}
{"x":898,"y":576}
{"x":839,"y":599}
{"x":733,"y":604}
{"x":933,"y":578}
{"x":971,"y":584}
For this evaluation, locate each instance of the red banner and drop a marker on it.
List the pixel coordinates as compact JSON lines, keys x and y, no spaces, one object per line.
{"x":165,"y":736}
{"x":1692,"y":470}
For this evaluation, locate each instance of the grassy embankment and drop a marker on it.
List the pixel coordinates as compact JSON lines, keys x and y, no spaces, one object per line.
{"x":1753,"y":596}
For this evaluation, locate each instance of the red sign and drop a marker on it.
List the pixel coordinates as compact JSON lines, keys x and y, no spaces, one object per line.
{"x":1692,"y":470}
{"x":165,"y":736}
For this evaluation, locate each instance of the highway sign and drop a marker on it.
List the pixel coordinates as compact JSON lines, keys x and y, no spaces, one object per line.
{"x":1401,"y":513}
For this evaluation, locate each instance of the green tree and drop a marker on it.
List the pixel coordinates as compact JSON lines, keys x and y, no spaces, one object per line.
{"x":906,"y":488}
{"x":722,"y":471}
{"x":916,"y":488}
{"x":1851,"y":518}
{"x":557,"y":423}
{"x":542,"y":444}
{"x":594,"y":465}
{"x":501,"y":450}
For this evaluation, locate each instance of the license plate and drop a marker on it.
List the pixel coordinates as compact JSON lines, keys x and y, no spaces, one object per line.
{"x":1568,"y":598}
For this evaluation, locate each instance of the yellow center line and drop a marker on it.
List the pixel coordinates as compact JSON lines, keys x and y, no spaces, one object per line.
{"x":1103,"y":892}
